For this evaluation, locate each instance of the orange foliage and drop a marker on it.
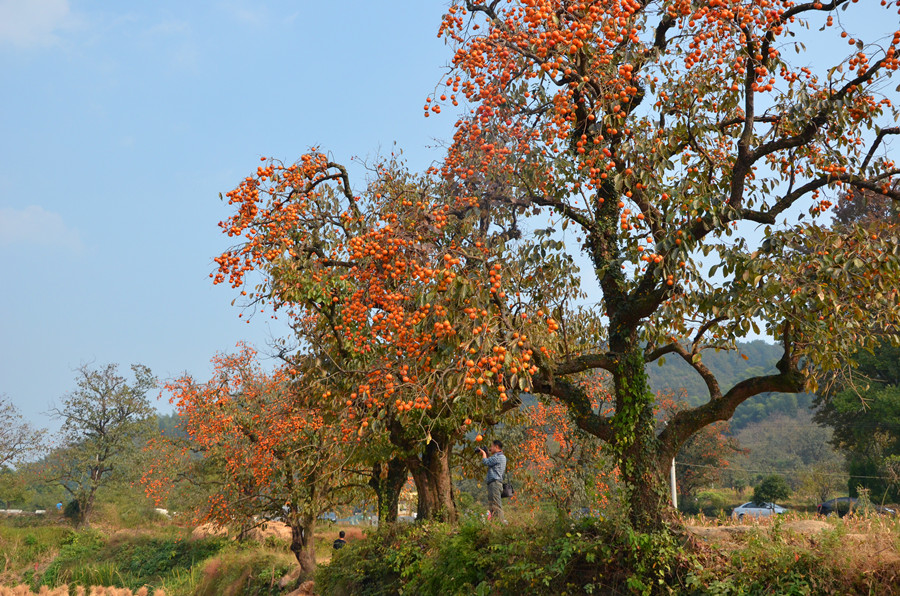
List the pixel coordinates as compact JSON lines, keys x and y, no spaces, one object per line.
{"x":562,"y":464}
{"x":272,"y":451}
{"x":585,"y":100}
{"x":397,"y":288}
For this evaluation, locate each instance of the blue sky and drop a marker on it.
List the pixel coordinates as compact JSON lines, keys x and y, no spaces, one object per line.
{"x":120,"y":124}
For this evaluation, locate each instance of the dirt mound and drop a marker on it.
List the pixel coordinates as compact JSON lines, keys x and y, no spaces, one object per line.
{"x":718,"y":533}
{"x":728,"y":534}
{"x":208,"y":529}
{"x":877,"y":546}
{"x":354,"y":533}
{"x":278,"y":530}
{"x":807,"y":527}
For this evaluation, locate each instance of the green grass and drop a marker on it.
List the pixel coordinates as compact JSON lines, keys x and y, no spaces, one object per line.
{"x":49,"y":554}
{"x":24,"y":545}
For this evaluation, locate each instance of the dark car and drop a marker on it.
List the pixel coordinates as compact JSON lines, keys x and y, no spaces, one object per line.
{"x":844,"y":505}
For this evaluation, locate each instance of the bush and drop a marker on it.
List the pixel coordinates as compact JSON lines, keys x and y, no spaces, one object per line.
{"x":711,"y":503}
{"x":78,"y":551}
{"x":87,"y":558}
{"x":250,"y":570}
{"x":557,"y":556}
{"x":150,"y":559}
{"x":22,"y":546}
{"x":561,"y":556}
{"x":772,"y":488}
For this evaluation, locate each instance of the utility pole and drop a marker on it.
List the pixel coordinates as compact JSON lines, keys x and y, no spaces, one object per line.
{"x":672,"y":484}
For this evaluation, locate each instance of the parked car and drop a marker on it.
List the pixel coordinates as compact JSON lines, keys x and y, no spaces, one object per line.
{"x":753,"y":509}
{"x":844,"y":505}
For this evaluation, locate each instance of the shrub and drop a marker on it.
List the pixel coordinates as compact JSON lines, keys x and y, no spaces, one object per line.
{"x":590,"y":555}
{"x":78,"y":550}
{"x":556,"y":556}
{"x":708,"y":502}
{"x":251,"y":571}
{"x":770,"y":489}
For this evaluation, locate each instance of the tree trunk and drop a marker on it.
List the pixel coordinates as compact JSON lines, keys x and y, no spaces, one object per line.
{"x":85,"y":500}
{"x":638,"y":450}
{"x":431,"y":474}
{"x":303,"y":543}
{"x":387,"y":480}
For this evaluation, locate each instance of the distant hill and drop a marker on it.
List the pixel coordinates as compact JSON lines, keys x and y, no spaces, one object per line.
{"x":731,"y":368}
{"x":170,"y":425}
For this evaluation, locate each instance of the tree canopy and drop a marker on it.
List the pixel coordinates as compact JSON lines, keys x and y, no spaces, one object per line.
{"x":676,"y":147}
{"x":18,"y":439}
{"x":274,"y":454}
{"x":103,"y":422}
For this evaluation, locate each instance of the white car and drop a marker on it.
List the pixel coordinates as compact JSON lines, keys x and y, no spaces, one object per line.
{"x":752,"y":509}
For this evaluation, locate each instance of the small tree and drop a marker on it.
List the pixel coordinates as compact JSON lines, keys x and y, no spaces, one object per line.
{"x":104,"y":422}
{"x":772,"y":488}
{"x":560,"y":463}
{"x":824,"y":479}
{"x":266,"y":451}
{"x":18,"y":439}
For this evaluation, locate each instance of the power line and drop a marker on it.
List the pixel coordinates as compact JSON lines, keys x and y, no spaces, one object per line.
{"x":771,"y":470}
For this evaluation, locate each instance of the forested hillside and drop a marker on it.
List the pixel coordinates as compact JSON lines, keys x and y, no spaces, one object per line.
{"x":731,"y":367}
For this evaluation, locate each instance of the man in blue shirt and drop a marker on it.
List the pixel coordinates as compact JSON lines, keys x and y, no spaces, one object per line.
{"x":496,"y":465}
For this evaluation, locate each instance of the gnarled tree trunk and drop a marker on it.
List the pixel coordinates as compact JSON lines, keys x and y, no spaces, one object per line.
{"x":431,"y":473}
{"x":387,"y":481}
{"x":637,"y":447}
{"x":303,"y":542}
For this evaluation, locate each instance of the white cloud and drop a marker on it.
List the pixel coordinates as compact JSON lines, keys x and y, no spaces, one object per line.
{"x":170,"y":27}
{"x":247,"y":13}
{"x":35,"y":226}
{"x":31,"y":23}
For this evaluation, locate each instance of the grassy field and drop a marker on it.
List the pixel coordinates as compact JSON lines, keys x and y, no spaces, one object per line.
{"x":159,"y":557}
{"x":536,"y":552}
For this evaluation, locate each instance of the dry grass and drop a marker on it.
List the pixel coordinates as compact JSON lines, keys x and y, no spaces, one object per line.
{"x":63,"y":590}
{"x":859,"y":553}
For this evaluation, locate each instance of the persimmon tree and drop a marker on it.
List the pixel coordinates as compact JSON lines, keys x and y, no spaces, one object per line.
{"x":561,"y":464}
{"x":391,"y":287}
{"x":690,"y":148}
{"x":273,"y":453}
